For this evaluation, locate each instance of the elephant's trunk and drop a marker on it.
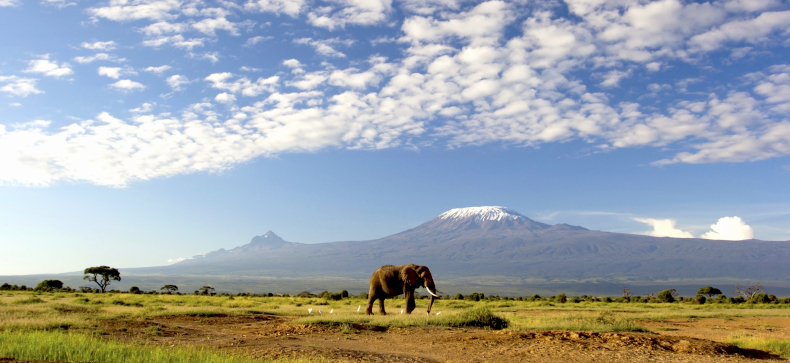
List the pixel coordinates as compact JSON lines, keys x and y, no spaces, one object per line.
{"x":430,"y":304}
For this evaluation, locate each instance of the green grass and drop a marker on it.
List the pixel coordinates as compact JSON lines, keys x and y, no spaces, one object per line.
{"x":780,"y":347}
{"x":603,"y":321}
{"x":65,"y":347}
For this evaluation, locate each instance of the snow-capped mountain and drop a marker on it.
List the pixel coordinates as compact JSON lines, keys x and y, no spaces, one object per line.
{"x":496,"y":241}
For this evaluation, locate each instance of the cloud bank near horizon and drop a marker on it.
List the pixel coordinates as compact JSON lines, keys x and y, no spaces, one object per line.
{"x":455,"y":75}
{"x":726,"y":229}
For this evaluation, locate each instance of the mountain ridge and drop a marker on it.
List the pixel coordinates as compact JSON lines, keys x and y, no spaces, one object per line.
{"x":496,"y":241}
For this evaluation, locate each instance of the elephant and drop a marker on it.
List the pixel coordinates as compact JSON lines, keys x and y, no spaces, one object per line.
{"x":390,"y":281}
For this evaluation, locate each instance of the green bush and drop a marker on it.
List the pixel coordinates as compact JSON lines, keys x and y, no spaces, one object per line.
{"x":700,"y":299}
{"x":561,"y":298}
{"x":134,"y":290}
{"x":666,"y":296}
{"x":478,"y":317}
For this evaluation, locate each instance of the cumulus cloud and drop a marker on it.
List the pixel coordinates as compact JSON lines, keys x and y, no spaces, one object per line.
{"x":97,"y":57}
{"x":325,"y":46}
{"x":462,"y":74}
{"x":255,"y":40}
{"x":48,"y":68}
{"x":115,"y":72}
{"x":8,"y":3}
{"x":18,"y":86}
{"x":176,"y":81}
{"x":664,"y":228}
{"x":350,"y":12}
{"x":729,"y":229}
{"x":158,"y":70}
{"x":177,"y":41}
{"x":127,"y":85}
{"x":108,"y":45}
{"x":144,"y":108}
{"x":174,"y":260}
{"x":122,"y":10}
{"x":289,"y":7}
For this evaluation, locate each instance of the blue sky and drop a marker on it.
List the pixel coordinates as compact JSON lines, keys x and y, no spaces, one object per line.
{"x":134,"y":132}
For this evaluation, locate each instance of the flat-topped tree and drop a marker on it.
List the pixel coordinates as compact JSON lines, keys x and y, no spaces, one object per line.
{"x":170,"y":288}
{"x":102,"y":275}
{"x":708,"y":291}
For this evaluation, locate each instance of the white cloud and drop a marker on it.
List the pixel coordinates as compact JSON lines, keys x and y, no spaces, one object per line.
{"x":612,"y":79}
{"x":752,"y":30}
{"x":108,"y":45}
{"x":8,"y":3}
{"x":177,"y":41}
{"x":127,"y":85}
{"x":255,"y":40}
{"x":290,"y":7}
{"x":48,"y":68}
{"x":176,"y":81}
{"x":249,"y":69}
{"x":15,"y":104}
{"x":729,"y":229}
{"x":124,"y":10}
{"x":210,"y":26}
{"x":144,"y":108}
{"x":174,"y":260}
{"x":243,"y":84}
{"x":158,"y":70}
{"x":164,"y":27}
{"x":19,"y":86}
{"x":664,"y":228}
{"x":212,"y":57}
{"x":324,"y":46}
{"x":97,"y":57}
{"x":354,"y":12}
{"x":225,"y":97}
{"x":115,"y":72}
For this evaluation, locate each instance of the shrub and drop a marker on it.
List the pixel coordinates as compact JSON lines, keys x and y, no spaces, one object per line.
{"x":561,"y":298}
{"x":700,"y":299}
{"x":666,"y":296}
{"x":134,"y":290}
{"x":607,"y":299}
{"x":760,"y":299}
{"x":478,"y":317}
{"x":458,"y":296}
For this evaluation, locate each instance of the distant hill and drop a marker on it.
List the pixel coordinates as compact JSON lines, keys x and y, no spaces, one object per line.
{"x":496,"y":242}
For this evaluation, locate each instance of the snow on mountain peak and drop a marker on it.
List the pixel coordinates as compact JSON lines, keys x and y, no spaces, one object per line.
{"x":482,"y":214}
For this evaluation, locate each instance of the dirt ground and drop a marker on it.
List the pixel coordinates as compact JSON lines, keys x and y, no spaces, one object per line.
{"x":274,"y":336}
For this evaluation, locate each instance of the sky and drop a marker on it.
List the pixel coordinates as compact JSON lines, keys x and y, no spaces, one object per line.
{"x":141,"y":132}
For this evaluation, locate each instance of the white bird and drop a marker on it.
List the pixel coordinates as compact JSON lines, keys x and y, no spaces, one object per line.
{"x":401,"y":311}
{"x":360,"y":307}
{"x":320,"y":311}
{"x":438,"y":313}
{"x":331,"y":311}
{"x":310,"y":311}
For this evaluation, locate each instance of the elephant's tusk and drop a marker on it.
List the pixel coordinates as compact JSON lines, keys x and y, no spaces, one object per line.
{"x":431,"y":292}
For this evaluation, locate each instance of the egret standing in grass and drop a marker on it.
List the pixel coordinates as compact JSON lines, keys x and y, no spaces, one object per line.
{"x":331,"y":311}
{"x":310,"y":311}
{"x":360,"y":307}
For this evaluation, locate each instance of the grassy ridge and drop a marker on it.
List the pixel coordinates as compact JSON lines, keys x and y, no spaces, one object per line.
{"x":780,"y":347}
{"x":65,"y":347}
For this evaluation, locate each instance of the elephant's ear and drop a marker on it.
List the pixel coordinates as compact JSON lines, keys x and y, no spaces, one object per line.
{"x":408,"y":275}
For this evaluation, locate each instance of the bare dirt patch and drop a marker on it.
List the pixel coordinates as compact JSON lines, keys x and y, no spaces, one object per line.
{"x":269,"y":336}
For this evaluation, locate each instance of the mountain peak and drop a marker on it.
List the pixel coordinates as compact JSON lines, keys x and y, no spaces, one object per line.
{"x":268,"y":238}
{"x":481,"y":214}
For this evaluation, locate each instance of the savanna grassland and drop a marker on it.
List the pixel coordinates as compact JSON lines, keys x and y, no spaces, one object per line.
{"x":123,"y":327}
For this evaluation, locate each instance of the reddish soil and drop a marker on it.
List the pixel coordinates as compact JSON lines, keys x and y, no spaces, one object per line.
{"x":268,"y":336}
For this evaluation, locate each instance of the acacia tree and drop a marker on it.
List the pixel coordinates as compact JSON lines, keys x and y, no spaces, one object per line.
{"x":749,"y":290}
{"x":169,"y":288}
{"x":102,"y":275}
{"x":49,"y":285}
{"x":708,"y":291}
{"x":206,"y":290}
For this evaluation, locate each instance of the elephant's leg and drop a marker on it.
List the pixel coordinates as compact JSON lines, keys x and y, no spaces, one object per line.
{"x":381,"y":306}
{"x":371,"y":299}
{"x":410,"y":305}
